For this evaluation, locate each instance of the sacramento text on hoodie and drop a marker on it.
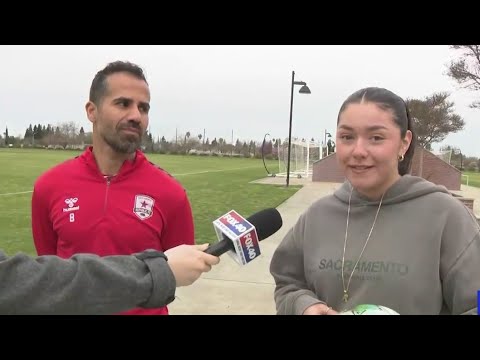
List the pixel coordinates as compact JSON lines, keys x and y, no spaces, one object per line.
{"x":423,"y":256}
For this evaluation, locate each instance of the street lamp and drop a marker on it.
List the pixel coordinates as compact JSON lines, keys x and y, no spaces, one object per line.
{"x":303,"y":90}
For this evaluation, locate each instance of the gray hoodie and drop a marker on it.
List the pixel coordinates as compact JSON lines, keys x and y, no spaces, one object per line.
{"x":423,"y":256}
{"x":84,"y":284}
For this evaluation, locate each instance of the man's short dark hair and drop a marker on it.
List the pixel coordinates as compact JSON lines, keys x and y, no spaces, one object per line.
{"x":99,"y":86}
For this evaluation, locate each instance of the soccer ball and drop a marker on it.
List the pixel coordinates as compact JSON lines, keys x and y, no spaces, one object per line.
{"x":369,"y":309}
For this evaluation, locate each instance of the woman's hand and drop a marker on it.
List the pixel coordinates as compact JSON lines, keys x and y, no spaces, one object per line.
{"x":319,"y":309}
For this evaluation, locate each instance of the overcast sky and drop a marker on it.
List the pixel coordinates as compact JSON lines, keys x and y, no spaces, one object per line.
{"x":223,"y":88}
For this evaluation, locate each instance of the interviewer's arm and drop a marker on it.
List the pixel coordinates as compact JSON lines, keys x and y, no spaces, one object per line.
{"x":89,"y":284}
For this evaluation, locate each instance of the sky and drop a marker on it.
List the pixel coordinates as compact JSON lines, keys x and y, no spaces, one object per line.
{"x":225,"y":89}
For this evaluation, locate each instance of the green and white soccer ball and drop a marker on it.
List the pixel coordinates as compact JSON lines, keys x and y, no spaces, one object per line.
{"x":369,"y":309}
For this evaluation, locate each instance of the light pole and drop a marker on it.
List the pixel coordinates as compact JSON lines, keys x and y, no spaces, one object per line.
{"x":303,"y":90}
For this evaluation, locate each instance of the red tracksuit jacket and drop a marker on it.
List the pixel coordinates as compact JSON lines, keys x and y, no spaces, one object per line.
{"x":75,"y":209}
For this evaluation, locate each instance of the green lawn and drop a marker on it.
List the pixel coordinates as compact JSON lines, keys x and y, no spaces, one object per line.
{"x":215,"y":185}
{"x":473,"y":178}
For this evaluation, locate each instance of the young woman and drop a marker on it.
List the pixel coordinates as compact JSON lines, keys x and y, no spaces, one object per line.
{"x":385,"y":237}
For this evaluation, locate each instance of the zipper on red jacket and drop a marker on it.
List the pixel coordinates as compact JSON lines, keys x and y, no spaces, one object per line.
{"x":106,"y":194}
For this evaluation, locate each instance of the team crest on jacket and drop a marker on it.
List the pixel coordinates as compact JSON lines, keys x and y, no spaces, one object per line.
{"x":143,"y":206}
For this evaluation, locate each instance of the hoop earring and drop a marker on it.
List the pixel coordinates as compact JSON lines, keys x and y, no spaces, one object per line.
{"x":401,"y":157}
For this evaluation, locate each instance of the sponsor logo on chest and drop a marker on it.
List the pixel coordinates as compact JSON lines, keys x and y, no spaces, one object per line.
{"x":143,"y":206}
{"x":71,"y":205}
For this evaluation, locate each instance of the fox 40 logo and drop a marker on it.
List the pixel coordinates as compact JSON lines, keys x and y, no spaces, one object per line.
{"x":249,"y":245}
{"x":242,"y":234}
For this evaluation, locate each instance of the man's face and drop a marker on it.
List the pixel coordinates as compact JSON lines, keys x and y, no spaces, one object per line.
{"x":121,"y":117}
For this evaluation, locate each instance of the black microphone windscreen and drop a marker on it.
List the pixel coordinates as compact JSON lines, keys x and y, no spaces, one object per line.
{"x":266,"y":222}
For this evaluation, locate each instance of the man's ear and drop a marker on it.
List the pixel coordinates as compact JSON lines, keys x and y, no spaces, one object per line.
{"x":91,"y":110}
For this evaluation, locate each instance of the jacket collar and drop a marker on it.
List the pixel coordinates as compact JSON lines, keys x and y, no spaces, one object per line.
{"x":127,"y":167}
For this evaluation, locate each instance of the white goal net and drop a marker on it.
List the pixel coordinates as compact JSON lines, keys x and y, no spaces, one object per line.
{"x":445,"y":155}
{"x":302,"y":156}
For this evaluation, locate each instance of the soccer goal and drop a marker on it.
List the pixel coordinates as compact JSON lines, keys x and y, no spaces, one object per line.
{"x":303,"y":155}
{"x":445,"y":155}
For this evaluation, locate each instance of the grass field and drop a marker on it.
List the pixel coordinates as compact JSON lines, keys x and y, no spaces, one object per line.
{"x":473,"y":178}
{"x":215,"y":185}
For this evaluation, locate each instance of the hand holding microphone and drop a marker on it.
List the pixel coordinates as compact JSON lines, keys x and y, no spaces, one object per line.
{"x":266,"y":223}
{"x":188,"y":262}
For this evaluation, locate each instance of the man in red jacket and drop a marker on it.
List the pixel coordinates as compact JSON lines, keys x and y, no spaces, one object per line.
{"x":111,"y":200}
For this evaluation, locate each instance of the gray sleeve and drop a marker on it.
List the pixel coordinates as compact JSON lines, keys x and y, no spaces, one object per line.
{"x":83,"y":284}
{"x":460,"y":261}
{"x":292,"y":295}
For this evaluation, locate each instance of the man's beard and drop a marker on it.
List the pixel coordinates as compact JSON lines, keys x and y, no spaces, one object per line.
{"x":126,"y":145}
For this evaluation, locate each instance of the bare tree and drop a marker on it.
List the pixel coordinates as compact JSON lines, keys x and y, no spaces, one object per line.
{"x":70,"y":132}
{"x":466,"y":70}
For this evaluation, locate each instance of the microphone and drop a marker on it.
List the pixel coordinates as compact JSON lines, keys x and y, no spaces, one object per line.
{"x":266,"y":223}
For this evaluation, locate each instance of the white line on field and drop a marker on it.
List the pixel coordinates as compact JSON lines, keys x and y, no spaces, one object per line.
{"x":212,"y":171}
{"x":17,"y":193}
{"x":184,"y":174}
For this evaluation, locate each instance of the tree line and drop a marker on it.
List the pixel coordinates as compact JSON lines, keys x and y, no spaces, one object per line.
{"x":69,"y":136}
{"x":433,"y":116}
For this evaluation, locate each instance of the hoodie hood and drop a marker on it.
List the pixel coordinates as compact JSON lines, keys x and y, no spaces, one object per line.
{"x":406,"y":188}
